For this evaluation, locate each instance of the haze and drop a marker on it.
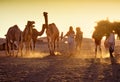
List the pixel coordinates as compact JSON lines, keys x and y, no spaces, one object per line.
{"x":64,"y":13}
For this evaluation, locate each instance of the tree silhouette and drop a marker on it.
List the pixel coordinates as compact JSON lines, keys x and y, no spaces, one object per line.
{"x":116,"y":28}
{"x":104,"y":27}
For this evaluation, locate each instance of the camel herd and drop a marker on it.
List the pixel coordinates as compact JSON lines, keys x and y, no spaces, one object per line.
{"x":16,"y":36}
{"x":23,"y":38}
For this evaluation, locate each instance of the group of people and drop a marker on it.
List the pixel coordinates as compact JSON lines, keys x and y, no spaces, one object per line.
{"x":74,"y":39}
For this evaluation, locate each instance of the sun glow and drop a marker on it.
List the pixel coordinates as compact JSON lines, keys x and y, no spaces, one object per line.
{"x":64,"y":13}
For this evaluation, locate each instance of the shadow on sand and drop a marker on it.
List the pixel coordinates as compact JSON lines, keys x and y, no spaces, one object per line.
{"x":102,"y":72}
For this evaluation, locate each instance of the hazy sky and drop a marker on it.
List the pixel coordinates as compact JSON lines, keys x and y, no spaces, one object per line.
{"x":64,"y":13}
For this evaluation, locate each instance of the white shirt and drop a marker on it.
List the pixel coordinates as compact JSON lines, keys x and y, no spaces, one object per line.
{"x":111,"y":38}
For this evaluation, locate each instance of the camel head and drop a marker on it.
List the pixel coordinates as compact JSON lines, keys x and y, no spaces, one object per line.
{"x":30,"y":23}
{"x":46,"y":18}
{"x":45,"y":14}
{"x":29,"y":26}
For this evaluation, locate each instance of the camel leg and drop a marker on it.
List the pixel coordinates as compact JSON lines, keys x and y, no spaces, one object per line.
{"x":26,"y":46}
{"x":18,"y":50}
{"x":100,"y":53}
{"x":95,"y":51}
{"x":29,"y":44}
{"x":7,"y":48}
{"x":13,"y":49}
{"x":21,"y":48}
{"x":49,"y":46}
{"x":57,"y":44}
{"x":34,"y":45}
{"x":52,"y":48}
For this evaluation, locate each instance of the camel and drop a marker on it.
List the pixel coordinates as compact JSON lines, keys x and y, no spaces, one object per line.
{"x":13,"y":34}
{"x":97,"y":38}
{"x":27,"y":35}
{"x":52,"y":33}
{"x":35,"y":34}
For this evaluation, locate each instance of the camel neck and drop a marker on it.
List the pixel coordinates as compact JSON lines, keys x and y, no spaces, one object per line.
{"x":41,"y":32}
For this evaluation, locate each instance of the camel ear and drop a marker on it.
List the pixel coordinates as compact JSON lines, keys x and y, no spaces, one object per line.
{"x":45,"y":13}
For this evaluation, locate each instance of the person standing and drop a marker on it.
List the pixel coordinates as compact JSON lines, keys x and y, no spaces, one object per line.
{"x":110,"y":43}
{"x":70,"y":34}
{"x":78,"y":38}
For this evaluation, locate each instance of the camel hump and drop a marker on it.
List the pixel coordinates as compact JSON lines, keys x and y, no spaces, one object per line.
{"x":13,"y":33}
{"x":13,"y":29}
{"x":53,"y":28}
{"x":34,"y":31}
{"x":16,"y":27}
{"x":53,"y":25}
{"x":95,"y":35}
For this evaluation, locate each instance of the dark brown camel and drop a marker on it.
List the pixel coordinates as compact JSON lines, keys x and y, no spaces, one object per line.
{"x":35,"y":34}
{"x":52,"y":33}
{"x":14,"y":34}
{"x":27,"y":35}
{"x":97,"y":39}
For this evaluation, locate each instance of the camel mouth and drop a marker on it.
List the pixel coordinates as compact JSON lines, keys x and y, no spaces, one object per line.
{"x":33,"y":22}
{"x":33,"y":25}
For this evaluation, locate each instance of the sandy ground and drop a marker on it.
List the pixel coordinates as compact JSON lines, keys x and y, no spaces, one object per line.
{"x":40,"y":67}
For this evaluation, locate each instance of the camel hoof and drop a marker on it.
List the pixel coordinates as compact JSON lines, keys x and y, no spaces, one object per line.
{"x":52,"y":54}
